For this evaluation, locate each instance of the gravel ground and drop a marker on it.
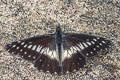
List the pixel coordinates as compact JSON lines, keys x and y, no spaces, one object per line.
{"x":20,"y":19}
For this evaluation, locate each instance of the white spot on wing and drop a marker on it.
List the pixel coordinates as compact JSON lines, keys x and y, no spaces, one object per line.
{"x":100,"y":44}
{"x":18,"y":41}
{"x":34,"y":47}
{"x":12,"y":53}
{"x":13,"y":46}
{"x":55,"y":72}
{"x":67,"y":72}
{"x":38,"y":49}
{"x":42,"y":51}
{"x":25,"y":45}
{"x":95,"y":39}
{"x":25,"y":52}
{"x":22,"y":43}
{"x":21,"y":50}
{"x":69,"y":52}
{"x":29,"y":56}
{"x":55,"y":55}
{"x":92,"y":42}
{"x":29,"y":46}
{"x":66,"y":54}
{"x":106,"y":49}
{"x":78,"y":49}
{"x":85,"y":45}
{"x":94,"y":49}
{"x":88,"y":43}
{"x":91,"y":52}
{"x":81,"y":46}
{"x":50,"y":53}
{"x":47,"y":50}
{"x":98,"y":38}
{"x":87,"y":54}
{"x":40,"y":60}
{"x":34,"y":57}
{"x":97,"y":46}
{"x":72,"y":50}
{"x":8,"y":50}
{"x":18,"y":47}
{"x":48,"y":71}
{"x":103,"y":41}
{"x":74,"y":70}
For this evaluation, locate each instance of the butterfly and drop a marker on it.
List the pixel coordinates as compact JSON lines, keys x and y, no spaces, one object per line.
{"x":59,"y":53}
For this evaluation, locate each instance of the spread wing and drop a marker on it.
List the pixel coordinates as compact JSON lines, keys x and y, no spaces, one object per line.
{"x":79,"y":46}
{"x":41,"y":50}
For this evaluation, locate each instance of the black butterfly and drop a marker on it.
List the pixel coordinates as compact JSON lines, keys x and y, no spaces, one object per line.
{"x":59,"y":53}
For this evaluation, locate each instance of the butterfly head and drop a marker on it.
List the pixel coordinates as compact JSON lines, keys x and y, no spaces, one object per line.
{"x":58,"y":29}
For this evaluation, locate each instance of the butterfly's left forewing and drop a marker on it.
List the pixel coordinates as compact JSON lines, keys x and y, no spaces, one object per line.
{"x":86,"y":44}
{"x":77,"y":47}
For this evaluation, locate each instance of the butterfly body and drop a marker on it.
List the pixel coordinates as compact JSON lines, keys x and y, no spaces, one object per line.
{"x":59,"y":53}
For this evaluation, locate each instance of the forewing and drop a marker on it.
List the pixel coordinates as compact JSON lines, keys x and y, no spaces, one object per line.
{"x":41,"y":50}
{"x":87,"y":45}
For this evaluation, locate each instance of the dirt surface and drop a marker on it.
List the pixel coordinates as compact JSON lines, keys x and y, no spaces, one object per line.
{"x":21,"y":19}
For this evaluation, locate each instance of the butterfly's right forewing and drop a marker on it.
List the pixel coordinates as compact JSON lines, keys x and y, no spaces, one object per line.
{"x":41,"y":50}
{"x":30,"y":48}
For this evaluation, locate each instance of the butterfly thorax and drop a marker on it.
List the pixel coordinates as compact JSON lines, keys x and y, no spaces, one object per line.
{"x":58,"y":35}
{"x":59,"y":45}
{"x":58,"y":39}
